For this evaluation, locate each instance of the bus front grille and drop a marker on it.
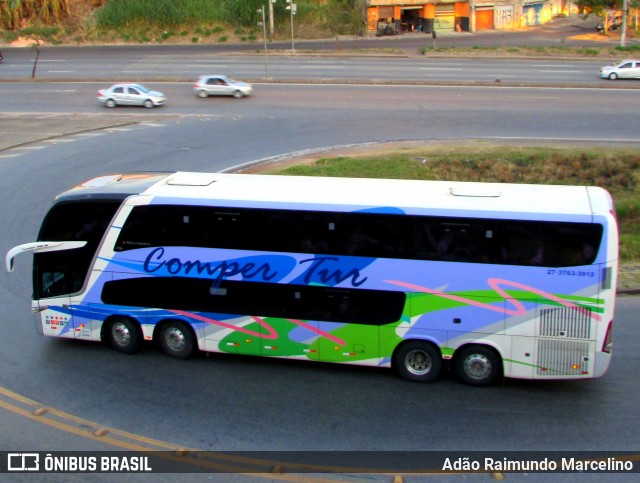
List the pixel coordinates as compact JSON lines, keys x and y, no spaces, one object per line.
{"x":563,"y":358}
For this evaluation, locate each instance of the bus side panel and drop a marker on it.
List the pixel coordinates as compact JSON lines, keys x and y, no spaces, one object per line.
{"x":288,"y":337}
{"x":521,"y":363}
{"x":56,"y":317}
{"x":238,"y":334}
{"x":349,"y":343}
{"x":85,"y":327}
{"x":294,"y":338}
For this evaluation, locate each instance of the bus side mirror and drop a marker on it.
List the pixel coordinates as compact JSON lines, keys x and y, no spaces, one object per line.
{"x":433,"y":34}
{"x":39,"y":247}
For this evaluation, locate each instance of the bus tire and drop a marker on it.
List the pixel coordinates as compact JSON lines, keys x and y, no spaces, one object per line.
{"x":418,"y":361}
{"x":478,"y":365}
{"x":177,"y":339}
{"x":124,"y":335}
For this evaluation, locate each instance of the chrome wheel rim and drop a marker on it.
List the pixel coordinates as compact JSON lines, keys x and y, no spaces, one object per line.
{"x":418,"y":362}
{"x":477,"y":366}
{"x":174,"y":339}
{"x":120,"y":333}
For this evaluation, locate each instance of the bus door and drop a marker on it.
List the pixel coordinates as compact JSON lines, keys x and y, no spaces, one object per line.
{"x":58,"y":278}
{"x":54,"y":302}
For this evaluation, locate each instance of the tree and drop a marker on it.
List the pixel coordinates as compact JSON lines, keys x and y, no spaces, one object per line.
{"x":346,"y":17}
{"x":48,"y":12}
{"x":598,"y":7}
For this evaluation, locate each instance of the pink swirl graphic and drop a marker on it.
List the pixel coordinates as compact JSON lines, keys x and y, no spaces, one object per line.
{"x":272,"y":334}
{"x":318,"y":331}
{"x":496,"y":284}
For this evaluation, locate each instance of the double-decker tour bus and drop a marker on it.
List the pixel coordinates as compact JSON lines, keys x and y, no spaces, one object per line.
{"x":493,"y":279}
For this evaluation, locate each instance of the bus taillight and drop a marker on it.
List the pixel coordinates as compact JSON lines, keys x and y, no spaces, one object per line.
{"x":608,"y":340}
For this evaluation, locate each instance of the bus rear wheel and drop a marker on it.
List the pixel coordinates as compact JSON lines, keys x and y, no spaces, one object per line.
{"x":177,"y":339}
{"x":418,"y":361}
{"x":477,"y":365}
{"x":124,"y":335}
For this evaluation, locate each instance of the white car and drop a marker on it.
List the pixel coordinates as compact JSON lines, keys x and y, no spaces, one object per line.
{"x":626,"y":69}
{"x":220,"y":85}
{"x":130,"y":95}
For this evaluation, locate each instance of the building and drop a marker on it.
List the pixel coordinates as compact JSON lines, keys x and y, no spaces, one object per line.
{"x":460,"y":16}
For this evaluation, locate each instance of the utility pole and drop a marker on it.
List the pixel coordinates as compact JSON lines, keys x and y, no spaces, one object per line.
{"x":292,"y":9}
{"x":264,"y":35}
{"x":271,"y":2}
{"x":623,"y":27}
{"x":35,"y":62}
{"x":472,"y":20}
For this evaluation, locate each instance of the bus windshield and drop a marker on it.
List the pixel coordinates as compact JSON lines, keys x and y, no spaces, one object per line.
{"x":63,"y":272}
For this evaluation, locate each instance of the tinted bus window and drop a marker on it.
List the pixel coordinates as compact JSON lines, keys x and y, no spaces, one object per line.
{"x":472,"y":240}
{"x":371,"y":307}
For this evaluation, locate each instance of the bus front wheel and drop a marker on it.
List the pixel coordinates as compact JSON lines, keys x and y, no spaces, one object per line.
{"x":477,"y":365}
{"x":124,"y":335}
{"x":177,"y":340}
{"x":418,"y":361}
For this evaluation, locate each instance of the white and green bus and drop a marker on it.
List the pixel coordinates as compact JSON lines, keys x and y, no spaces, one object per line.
{"x":494,"y":280}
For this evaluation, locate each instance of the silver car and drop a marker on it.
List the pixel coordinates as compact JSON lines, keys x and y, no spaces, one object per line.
{"x":626,"y":69}
{"x":130,"y":95}
{"x":220,"y":85}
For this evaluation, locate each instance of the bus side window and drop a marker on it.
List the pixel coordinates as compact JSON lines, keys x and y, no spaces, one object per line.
{"x":53,"y":283}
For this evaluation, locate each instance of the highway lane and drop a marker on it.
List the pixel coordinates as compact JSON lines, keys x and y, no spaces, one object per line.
{"x":82,"y":97}
{"x":226,"y":402}
{"x":325,"y":115}
{"x":189,"y":64}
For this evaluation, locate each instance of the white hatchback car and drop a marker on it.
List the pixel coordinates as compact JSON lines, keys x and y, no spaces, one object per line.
{"x":626,"y":69}
{"x":130,"y":95}
{"x":220,"y":85}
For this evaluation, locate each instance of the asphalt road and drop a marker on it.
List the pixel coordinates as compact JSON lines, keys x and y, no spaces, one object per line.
{"x":397,"y":59}
{"x":59,"y":66}
{"x":228,"y":403}
{"x":238,"y":403}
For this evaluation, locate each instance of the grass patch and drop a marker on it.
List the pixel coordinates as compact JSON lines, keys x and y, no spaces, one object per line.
{"x":550,"y":51}
{"x":618,"y":171}
{"x":634,"y":48}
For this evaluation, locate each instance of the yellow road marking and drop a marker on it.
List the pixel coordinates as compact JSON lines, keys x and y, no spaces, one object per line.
{"x":61,"y":420}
